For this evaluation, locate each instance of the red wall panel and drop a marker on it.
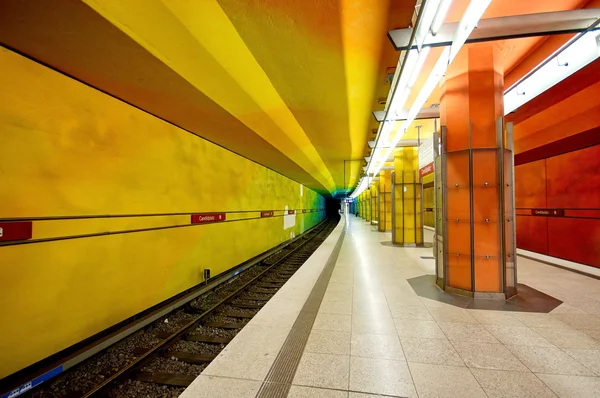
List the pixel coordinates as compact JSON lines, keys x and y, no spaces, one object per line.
{"x":532,"y":234}
{"x":567,"y":181}
{"x":574,"y":179}
{"x":575,"y":239}
{"x":530,"y":185}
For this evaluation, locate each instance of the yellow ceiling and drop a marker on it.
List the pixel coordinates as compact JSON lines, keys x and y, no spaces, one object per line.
{"x":288,"y":84}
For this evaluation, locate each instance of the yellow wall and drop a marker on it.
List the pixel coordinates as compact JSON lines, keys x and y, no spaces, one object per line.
{"x":69,"y":150}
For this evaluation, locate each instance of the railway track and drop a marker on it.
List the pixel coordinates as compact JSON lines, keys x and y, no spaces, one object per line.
{"x":165,"y":357}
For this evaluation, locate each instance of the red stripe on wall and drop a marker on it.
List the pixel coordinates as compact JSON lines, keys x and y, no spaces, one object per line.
{"x":573,"y":143}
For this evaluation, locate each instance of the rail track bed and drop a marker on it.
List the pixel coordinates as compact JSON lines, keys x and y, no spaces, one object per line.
{"x":163,"y":358}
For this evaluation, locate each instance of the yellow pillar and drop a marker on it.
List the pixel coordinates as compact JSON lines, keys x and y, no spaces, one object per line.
{"x":385,"y":201}
{"x":374,"y":202}
{"x":407,"y":224}
{"x":368,"y":205}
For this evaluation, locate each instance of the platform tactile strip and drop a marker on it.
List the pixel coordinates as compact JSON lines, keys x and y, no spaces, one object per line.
{"x":279,"y":379}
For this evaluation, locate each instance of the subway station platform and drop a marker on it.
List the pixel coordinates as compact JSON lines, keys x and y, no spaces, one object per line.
{"x":355,"y":322}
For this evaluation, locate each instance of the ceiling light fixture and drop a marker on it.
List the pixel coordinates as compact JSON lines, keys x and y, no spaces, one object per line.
{"x":438,"y":20}
{"x":434,"y":11}
{"x":579,"y":53}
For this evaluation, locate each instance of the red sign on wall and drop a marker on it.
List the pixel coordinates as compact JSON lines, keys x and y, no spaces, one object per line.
{"x":426,"y":170}
{"x":291,"y":211}
{"x":18,"y":230}
{"x":267,"y":213}
{"x":548,"y":212}
{"x":204,"y":218}
{"x":303,"y":210}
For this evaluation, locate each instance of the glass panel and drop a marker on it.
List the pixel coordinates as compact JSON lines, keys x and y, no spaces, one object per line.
{"x":458,"y":223}
{"x":398,"y":218}
{"x":486,"y":226}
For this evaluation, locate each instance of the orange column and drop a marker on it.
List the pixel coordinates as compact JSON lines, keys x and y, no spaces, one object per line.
{"x":477,"y":176}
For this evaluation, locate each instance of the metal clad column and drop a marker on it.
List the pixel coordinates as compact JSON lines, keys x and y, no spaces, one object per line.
{"x":476,"y":199}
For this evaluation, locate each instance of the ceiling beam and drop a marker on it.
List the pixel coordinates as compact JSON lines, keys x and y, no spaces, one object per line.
{"x":425,"y":113}
{"x":510,"y":27}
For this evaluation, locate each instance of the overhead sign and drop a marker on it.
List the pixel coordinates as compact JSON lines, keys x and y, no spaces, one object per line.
{"x":426,"y":157}
{"x":548,"y":212}
{"x":208,"y":217}
{"x":17,"y":230}
{"x":267,"y":213}
{"x":426,"y":170}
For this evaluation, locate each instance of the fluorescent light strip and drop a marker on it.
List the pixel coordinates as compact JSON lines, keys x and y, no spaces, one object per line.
{"x":578,"y":54}
{"x":440,"y":16}
{"x":431,"y":8}
{"x":419,"y":65}
{"x":435,"y":11}
{"x":468,"y":22}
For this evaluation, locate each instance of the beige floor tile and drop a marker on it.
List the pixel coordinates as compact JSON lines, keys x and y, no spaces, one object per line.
{"x":377,"y":346}
{"x":589,"y":358}
{"x":417,"y":328}
{"x":444,"y":381}
{"x":488,"y":356}
{"x":403,"y":299}
{"x":336,"y":322}
{"x":364,"y":395}
{"x":336,"y":307}
{"x":372,"y":325}
{"x":366,"y":296}
{"x":381,"y":376}
{"x":565,"y":308}
{"x":244,"y":362}
{"x":328,"y":342}
{"x":379,"y":310}
{"x":411,"y":312}
{"x":456,"y":315}
{"x":495,"y":318}
{"x":467,"y":332}
{"x":337,"y":296}
{"x":433,"y":351}
{"x":323,"y":370}
{"x":517,"y":335}
{"x":572,"y":386}
{"x":311,"y":392}
{"x":219,"y":387}
{"x":593,"y":333}
{"x":537,"y":320}
{"x":502,"y":384}
{"x":580,"y":321}
{"x":568,"y":338}
{"x":549,"y":360}
{"x":264,"y":338}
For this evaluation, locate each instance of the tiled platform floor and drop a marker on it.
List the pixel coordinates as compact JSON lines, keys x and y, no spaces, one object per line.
{"x":374,"y":336}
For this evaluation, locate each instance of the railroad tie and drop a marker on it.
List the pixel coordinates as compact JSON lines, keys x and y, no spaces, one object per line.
{"x":237,"y":314}
{"x":165,"y":378}
{"x":196,"y":359}
{"x":225,"y":325}
{"x":203,"y":338}
{"x":244,"y":305}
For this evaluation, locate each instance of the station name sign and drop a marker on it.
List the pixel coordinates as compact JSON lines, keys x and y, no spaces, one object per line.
{"x":269,"y":213}
{"x":15,"y":230}
{"x":204,"y":218}
{"x":548,"y":212}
